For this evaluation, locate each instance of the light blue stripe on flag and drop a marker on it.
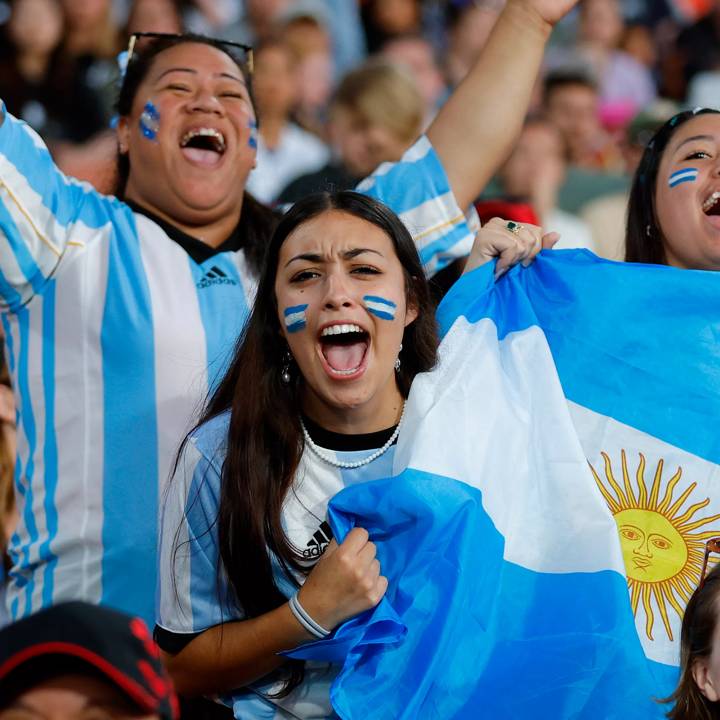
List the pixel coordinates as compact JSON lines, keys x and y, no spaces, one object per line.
{"x":681,"y":176}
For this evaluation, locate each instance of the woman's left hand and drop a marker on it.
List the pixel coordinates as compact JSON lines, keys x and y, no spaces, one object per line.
{"x":510,"y":243}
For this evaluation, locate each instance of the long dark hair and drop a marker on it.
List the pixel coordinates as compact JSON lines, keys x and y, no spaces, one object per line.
{"x":265,"y":442}
{"x":643,"y":235}
{"x":696,"y":641}
{"x":257,"y":220}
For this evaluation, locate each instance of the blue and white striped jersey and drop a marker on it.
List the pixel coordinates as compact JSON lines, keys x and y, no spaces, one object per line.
{"x":114,"y":334}
{"x":189,"y":595}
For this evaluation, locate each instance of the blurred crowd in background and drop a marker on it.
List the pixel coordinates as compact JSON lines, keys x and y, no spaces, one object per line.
{"x":343,"y":85}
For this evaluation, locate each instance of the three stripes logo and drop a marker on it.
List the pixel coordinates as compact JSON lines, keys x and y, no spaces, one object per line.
{"x":215,"y":276}
{"x":318,"y":542}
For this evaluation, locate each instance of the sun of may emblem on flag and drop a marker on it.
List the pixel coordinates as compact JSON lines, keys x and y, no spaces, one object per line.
{"x":662,"y":548}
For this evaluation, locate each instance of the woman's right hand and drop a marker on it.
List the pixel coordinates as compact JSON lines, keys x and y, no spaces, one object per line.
{"x":344,"y":582}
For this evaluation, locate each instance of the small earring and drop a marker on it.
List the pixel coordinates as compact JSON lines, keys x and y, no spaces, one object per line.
{"x":397,"y":359}
{"x":648,"y":230}
{"x":285,"y":372}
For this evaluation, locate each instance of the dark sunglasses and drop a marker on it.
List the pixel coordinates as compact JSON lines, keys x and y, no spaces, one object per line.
{"x":244,"y":51}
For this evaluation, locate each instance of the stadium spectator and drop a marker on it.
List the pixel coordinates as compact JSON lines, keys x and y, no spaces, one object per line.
{"x":387,"y":19}
{"x":81,"y":661}
{"x":285,"y":151}
{"x":417,"y":56}
{"x":571,"y":103}
{"x":469,"y":24}
{"x":36,"y":84}
{"x":375,"y":115}
{"x":534,"y":173}
{"x":159,"y":16}
{"x":698,"y":693}
{"x":250,"y":479}
{"x":675,"y":195}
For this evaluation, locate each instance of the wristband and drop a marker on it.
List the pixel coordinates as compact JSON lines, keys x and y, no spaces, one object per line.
{"x":305,"y":620}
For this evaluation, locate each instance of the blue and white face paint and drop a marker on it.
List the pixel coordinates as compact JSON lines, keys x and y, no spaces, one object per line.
{"x":682,"y":176}
{"x":253,"y":139}
{"x":380,"y":307}
{"x":295,"y":318}
{"x":150,"y":121}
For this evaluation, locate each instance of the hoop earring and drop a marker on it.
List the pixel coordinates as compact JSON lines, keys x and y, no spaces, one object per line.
{"x":397,"y":359}
{"x":648,"y":231}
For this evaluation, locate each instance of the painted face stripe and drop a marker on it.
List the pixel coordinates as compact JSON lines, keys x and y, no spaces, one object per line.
{"x":295,"y":318}
{"x":150,"y":121}
{"x":681,"y":176}
{"x":380,"y":307}
{"x":253,"y":139}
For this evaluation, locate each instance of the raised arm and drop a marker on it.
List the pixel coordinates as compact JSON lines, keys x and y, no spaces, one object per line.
{"x":44,"y":216}
{"x":476,"y":128}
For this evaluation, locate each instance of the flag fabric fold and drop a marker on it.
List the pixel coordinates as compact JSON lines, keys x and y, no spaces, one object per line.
{"x":551,"y":494}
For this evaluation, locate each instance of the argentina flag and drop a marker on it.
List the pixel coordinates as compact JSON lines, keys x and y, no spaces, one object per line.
{"x":555,"y":482}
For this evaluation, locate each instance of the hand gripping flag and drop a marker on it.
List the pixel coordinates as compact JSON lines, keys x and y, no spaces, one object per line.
{"x":556,"y":481}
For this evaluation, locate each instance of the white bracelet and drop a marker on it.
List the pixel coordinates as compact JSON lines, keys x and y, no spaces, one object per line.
{"x":305,"y":620}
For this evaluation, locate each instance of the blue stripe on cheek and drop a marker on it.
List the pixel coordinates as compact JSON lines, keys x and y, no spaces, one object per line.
{"x":681,"y":176}
{"x":252,"y":140}
{"x":380,"y":307}
{"x":149,"y":121}
{"x":295,"y":318}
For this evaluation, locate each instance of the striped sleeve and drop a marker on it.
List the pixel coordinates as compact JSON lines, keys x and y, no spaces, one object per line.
{"x":418,"y":190}
{"x":190,"y":597}
{"x":44,"y":216}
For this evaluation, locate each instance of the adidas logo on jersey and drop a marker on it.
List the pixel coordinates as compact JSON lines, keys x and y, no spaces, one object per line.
{"x":215,"y":276}
{"x":318,"y":542}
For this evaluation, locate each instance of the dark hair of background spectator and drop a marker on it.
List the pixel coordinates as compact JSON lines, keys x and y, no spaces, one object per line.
{"x":696,"y":641}
{"x":643,"y":236}
{"x":265,"y":442}
{"x":560,"y":79}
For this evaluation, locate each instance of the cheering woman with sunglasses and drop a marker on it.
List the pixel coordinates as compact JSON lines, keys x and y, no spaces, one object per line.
{"x":120,"y":311}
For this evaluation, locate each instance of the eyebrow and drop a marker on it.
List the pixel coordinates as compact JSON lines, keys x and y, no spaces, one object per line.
{"x":347,"y":255}
{"x":693,"y":139}
{"x":229,"y":76}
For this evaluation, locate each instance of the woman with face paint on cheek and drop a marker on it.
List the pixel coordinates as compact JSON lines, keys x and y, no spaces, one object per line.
{"x":121,"y":312}
{"x":313,"y":401}
{"x":674,"y":207}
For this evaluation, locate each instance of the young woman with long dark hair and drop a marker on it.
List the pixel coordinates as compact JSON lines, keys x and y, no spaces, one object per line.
{"x":674,"y":206}
{"x":313,"y":401}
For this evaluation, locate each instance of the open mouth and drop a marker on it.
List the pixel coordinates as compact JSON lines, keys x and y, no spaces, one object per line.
{"x":204,"y":146}
{"x":344,"y":348}
{"x":711,"y":206}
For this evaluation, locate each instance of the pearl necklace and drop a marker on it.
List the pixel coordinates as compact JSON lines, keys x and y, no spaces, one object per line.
{"x":359,"y":463}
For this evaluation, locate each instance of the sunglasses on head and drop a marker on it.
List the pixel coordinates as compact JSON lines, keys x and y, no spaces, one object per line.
{"x":233,"y":49}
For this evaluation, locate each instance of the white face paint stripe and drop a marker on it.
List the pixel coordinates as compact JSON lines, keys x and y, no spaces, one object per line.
{"x":380,"y":307}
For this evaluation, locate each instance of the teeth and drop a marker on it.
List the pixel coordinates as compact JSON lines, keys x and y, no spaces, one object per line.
{"x":340,"y":329}
{"x":343,"y":372}
{"x":711,"y":200}
{"x":203,"y":132}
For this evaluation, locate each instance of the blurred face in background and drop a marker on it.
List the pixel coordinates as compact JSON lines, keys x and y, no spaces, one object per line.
{"x":86,"y":14}
{"x":416,"y":55}
{"x":274,"y":82}
{"x":573,"y":109}
{"x":396,"y":17}
{"x":36,"y":26}
{"x":363,"y":144}
{"x":601,"y":23}
{"x":539,"y":152}
{"x":160,"y":16}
